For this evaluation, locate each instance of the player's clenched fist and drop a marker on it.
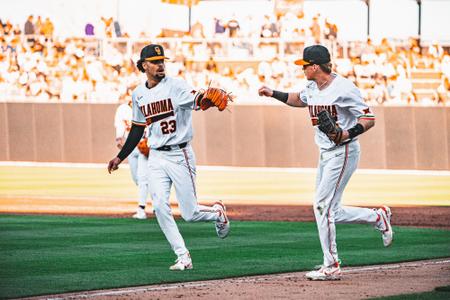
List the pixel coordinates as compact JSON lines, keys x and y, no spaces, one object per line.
{"x":265,"y":91}
{"x":113,"y":164}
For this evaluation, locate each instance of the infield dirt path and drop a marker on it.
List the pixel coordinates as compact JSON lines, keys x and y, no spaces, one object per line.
{"x":357,"y":283}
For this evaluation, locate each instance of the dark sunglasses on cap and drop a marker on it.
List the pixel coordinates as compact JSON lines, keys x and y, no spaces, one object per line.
{"x":156,"y":62}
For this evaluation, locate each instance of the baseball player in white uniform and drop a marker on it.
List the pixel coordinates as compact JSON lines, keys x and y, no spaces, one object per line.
{"x":338,"y":160}
{"x":136,"y":160}
{"x":165,"y":106}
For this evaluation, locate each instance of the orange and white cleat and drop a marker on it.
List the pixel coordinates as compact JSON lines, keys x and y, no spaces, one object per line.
{"x":222,"y":224}
{"x":183,"y":262}
{"x":332,"y":272}
{"x":384,"y":225}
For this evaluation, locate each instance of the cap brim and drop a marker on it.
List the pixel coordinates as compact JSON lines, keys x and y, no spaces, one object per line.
{"x":155,"y":58}
{"x":301,"y":62}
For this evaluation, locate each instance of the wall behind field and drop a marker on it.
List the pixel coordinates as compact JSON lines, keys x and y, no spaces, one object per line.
{"x":249,"y":135}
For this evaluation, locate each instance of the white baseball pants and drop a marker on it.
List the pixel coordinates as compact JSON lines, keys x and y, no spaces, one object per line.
{"x":138,"y":167}
{"x":175,"y":167}
{"x":334,"y":171}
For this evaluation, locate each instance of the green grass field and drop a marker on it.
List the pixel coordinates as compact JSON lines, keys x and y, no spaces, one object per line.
{"x":50,"y":254}
{"x":439,"y":293}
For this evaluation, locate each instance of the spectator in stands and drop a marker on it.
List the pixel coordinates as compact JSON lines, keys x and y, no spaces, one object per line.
{"x":331,"y":30}
{"x":211,"y":65}
{"x":16,"y":30}
{"x":435,"y":50}
{"x":269,"y":29}
{"x":219,"y":27}
{"x":315,"y":29}
{"x":29,"y":26}
{"x":443,"y":91}
{"x":38,"y":25}
{"x":8,"y":28}
{"x":117,"y":29}
{"x":89,"y":29}
{"x":278,"y":68}
{"x":233,"y":27}
{"x":380,"y":92}
{"x":385,"y":47}
{"x":405,"y":88}
{"x":264,"y":71}
{"x":197,"y":30}
{"x":48,"y":28}
{"x":108,"y":26}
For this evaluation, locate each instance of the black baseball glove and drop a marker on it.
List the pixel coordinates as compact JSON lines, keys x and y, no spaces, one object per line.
{"x":327,"y":124}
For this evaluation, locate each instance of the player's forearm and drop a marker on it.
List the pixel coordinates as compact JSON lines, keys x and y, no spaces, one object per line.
{"x":133,"y":139}
{"x":367,"y":124}
{"x":291,"y":99}
{"x":294,"y":100}
{"x":362,"y":126}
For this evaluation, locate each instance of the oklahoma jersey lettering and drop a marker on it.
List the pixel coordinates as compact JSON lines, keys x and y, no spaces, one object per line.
{"x":342,"y":99}
{"x":167,"y":111}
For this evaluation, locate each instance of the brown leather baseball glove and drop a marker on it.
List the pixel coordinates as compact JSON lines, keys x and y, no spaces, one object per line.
{"x":215,"y":97}
{"x":327,"y":124}
{"x":143,"y":147}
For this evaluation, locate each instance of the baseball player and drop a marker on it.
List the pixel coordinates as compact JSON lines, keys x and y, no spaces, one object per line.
{"x":165,"y":106}
{"x":136,"y":160}
{"x":339,"y":115}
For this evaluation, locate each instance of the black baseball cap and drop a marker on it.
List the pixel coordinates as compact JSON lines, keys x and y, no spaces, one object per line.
{"x":316,"y":54}
{"x":152,"y":52}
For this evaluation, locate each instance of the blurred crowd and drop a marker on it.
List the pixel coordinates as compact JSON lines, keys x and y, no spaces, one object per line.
{"x":237,"y":55}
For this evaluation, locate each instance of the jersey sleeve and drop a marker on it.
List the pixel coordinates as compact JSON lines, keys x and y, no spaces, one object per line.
{"x":356,"y":105}
{"x":186,"y":95}
{"x":303,"y":96}
{"x":138,"y":117}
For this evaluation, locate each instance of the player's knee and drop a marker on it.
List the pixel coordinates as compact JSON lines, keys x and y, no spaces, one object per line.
{"x":188,"y":217}
{"x":159,"y":207}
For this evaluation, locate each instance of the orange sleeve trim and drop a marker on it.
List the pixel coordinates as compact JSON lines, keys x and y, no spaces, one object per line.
{"x":138,"y":124}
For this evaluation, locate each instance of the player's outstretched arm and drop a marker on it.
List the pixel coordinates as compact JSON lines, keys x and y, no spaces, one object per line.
{"x":133,"y":139}
{"x":291,"y":99}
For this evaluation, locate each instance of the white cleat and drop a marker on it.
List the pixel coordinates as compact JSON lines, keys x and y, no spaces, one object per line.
{"x":223,"y":224}
{"x":384,"y":225}
{"x":325,"y":273}
{"x":140,"y":214}
{"x":183,"y":262}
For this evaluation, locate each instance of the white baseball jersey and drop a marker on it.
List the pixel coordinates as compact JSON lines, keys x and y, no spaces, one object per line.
{"x":167,"y":111}
{"x":122,"y":120}
{"x":342,"y":99}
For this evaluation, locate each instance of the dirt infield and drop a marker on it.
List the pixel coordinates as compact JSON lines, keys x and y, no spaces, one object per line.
{"x":420,"y":216}
{"x":356,"y":283}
